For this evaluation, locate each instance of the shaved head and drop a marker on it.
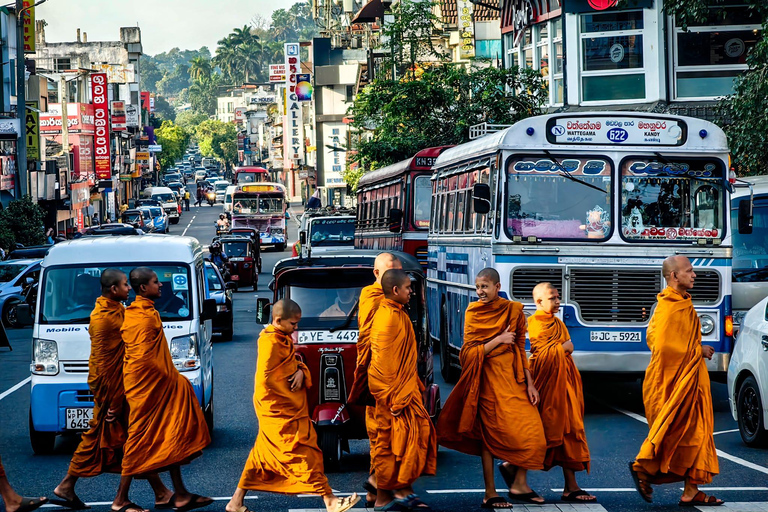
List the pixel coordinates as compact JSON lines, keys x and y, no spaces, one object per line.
{"x":286,"y":309}
{"x":679,"y":273}
{"x":541,"y":289}
{"x":111,"y":277}
{"x":673,"y":264}
{"x":393,"y":278}
{"x":140,"y":276}
{"x":489,"y":274}
{"x":383,"y":262}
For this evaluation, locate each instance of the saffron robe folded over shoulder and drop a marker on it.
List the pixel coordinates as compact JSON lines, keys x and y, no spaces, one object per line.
{"x":285,"y":458}
{"x":166,"y":425}
{"x":561,"y":397}
{"x":677,"y":397}
{"x":489,"y":404}
{"x":101,"y":447}
{"x":405,"y":446}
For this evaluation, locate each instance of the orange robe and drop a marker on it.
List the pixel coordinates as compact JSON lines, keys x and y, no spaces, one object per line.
{"x":100,"y":449}
{"x":166,"y":423}
{"x":489,"y":404}
{"x":405,"y":446}
{"x":561,"y":397}
{"x":677,"y":398}
{"x":2,"y":470}
{"x":285,"y":458}
{"x":370,"y":299}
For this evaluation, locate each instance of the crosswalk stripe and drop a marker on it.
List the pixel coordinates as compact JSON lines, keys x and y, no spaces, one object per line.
{"x":738,"y":506}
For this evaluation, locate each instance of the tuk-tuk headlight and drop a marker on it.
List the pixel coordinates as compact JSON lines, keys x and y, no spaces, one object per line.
{"x":184,"y":353}
{"x":45,"y":357}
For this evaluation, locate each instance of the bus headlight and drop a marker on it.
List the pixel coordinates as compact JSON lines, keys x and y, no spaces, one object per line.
{"x":184,"y":353}
{"x":45,"y":357}
{"x":276,"y":231}
{"x":707,"y":324}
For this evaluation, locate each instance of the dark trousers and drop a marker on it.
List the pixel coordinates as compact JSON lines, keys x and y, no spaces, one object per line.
{"x":186,"y":203}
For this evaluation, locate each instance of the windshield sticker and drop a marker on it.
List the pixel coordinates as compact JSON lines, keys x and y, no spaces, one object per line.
{"x":643,"y":168}
{"x":183,"y":312}
{"x":180,"y":283}
{"x":598,"y":223}
{"x":572,"y":165}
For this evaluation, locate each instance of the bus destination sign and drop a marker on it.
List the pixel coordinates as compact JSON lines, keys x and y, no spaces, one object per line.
{"x":626,"y":131}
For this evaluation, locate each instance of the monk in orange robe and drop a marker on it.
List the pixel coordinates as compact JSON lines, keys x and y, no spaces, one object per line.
{"x":166,"y":427}
{"x":405,"y":446}
{"x":491,"y":411}
{"x":285,"y":458}
{"x":12,"y":500}
{"x":100,"y":449}
{"x":561,"y":402}
{"x":359,"y":394}
{"x":676,"y":392}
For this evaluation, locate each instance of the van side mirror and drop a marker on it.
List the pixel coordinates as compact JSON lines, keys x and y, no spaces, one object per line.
{"x":481,"y":198}
{"x":24,"y":315}
{"x":230,"y":285}
{"x":745,"y":217}
{"x":263,"y":310}
{"x":395,"y":220}
{"x":209,"y":309}
{"x":303,"y":237}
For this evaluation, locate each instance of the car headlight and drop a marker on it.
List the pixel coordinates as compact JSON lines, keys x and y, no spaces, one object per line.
{"x":184,"y":353}
{"x":45,"y":357}
{"x":707,"y":324}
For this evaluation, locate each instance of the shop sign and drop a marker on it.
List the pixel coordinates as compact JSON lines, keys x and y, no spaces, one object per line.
{"x":293,"y":126}
{"x":132,"y":116}
{"x":9,"y":127}
{"x":118,"y":116}
{"x":32,"y":125}
{"x":155,"y":148}
{"x":466,"y":26}
{"x":240,"y":113}
{"x":142,"y":158}
{"x":277,"y":73}
{"x":117,"y":74}
{"x":616,"y":130}
{"x":29,"y":25}
{"x":7,"y":182}
{"x":81,"y":195}
{"x":101,"y":126}
{"x":585,"y":6}
{"x":304,"y":87}
{"x":145,"y":100}
{"x":79,"y":118}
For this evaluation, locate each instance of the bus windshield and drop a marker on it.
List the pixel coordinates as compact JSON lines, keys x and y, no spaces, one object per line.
{"x":332,"y":232}
{"x":546,"y":202}
{"x":750,"y":252}
{"x":422,"y":201}
{"x":671,"y":199}
{"x":246,"y":177}
{"x":257,"y":204}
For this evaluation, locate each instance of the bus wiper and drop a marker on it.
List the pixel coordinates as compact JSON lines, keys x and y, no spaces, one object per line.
{"x":348,"y":321}
{"x":564,"y":172}
{"x":742,"y":273}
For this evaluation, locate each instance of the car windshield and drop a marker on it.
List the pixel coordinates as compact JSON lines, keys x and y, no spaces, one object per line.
{"x":220,"y":187}
{"x":214,"y":281}
{"x":261,"y":204}
{"x":422,"y":201}
{"x":165,"y":198}
{"x":236,"y":249}
{"x":332,"y":232}
{"x":175,"y":186}
{"x":131,"y":217}
{"x":69,"y":293}
{"x":672,"y":199}
{"x":156,"y":211}
{"x":750,"y":252}
{"x":544,"y":202}
{"x":8,"y":271}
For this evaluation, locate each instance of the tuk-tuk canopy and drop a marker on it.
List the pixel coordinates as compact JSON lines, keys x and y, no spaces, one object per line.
{"x":356,"y":258}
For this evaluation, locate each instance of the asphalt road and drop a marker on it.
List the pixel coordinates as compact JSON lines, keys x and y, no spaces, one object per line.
{"x":613,"y":422}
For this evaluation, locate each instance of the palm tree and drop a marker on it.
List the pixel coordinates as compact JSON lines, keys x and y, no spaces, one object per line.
{"x":200,"y":67}
{"x":249,"y":56}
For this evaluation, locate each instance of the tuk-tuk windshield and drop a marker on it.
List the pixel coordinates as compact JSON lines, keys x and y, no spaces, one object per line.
{"x":236,"y":249}
{"x":325,"y":308}
{"x":332,"y":231}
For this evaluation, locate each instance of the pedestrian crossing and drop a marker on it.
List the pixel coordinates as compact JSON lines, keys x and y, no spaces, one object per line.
{"x":746,"y":506}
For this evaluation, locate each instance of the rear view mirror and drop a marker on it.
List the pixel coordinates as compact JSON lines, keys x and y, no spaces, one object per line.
{"x":745,"y":217}
{"x":230,"y":285}
{"x":209,"y":309}
{"x":395,"y":220}
{"x":303,"y":237}
{"x":263,"y":310}
{"x":24,"y":315}
{"x":481,"y":198}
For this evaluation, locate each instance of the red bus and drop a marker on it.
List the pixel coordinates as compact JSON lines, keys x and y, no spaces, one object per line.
{"x":394,"y":205}
{"x":250,"y":175}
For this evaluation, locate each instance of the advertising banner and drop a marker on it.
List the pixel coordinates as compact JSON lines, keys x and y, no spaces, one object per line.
{"x":29,"y":25}
{"x":132,"y":116}
{"x":304,"y":87}
{"x":79,"y":118}
{"x":101,"y":126}
{"x":466,"y":27}
{"x":142,"y":158}
{"x":32,"y":122}
{"x":277,"y":73}
{"x":293,"y":126}
{"x":240,"y":113}
{"x":145,"y":100}
{"x":118,"y":116}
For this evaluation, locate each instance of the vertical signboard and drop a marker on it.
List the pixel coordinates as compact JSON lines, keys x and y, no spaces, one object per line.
{"x":466,"y":26}
{"x":29,"y":25}
{"x":293,"y":127}
{"x":101,"y":126}
{"x":145,"y":100}
{"x":132,"y":116}
{"x":32,"y":122}
{"x":118,"y":116}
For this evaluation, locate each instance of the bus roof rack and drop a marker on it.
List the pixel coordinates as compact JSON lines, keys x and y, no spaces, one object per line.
{"x":481,"y":130}
{"x":329,"y":210}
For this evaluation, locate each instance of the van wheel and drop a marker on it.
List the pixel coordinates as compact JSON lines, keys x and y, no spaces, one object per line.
{"x":750,"y":414}
{"x":42,"y":442}
{"x":447,"y":370}
{"x":329,"y":442}
{"x":280,"y":247}
{"x":10,"y":319}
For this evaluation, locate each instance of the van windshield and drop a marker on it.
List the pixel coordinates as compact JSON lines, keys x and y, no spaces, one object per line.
{"x":165,"y":198}
{"x":69,"y":293}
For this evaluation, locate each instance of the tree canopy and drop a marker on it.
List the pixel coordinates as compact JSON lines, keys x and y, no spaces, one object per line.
{"x":217,"y":139}
{"x":174,"y":140}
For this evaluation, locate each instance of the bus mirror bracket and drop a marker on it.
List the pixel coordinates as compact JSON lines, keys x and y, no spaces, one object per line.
{"x":745,"y":217}
{"x":481,"y":198}
{"x":302,"y":238}
{"x":395,"y":220}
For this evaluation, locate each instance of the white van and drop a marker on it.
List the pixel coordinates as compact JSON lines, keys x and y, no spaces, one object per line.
{"x":69,"y":286}
{"x":228,"y":198}
{"x":167,"y":199}
{"x":220,"y":187}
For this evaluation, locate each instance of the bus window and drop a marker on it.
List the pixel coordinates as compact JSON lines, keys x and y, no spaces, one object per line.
{"x":751,"y":251}
{"x":443,"y":216}
{"x":469,"y":216}
{"x":460,"y":204}
{"x":706,"y":203}
{"x":422,"y":200}
{"x":451,"y":208}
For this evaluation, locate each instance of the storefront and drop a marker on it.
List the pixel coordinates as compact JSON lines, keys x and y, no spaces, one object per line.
{"x":9,"y":130}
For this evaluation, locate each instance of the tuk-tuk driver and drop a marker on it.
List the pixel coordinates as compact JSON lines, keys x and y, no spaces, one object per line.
{"x":345,"y":301}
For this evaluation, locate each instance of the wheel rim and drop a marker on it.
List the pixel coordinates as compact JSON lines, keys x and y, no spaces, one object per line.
{"x":750,"y":411}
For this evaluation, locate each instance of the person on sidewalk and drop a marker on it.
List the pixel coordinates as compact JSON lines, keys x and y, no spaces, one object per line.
{"x":100,"y":448}
{"x":285,"y":458}
{"x":676,"y":393}
{"x":561,"y":398}
{"x":491,"y":411}
{"x":186,"y":200}
{"x":359,"y":394}
{"x":14,"y":502}
{"x":406,"y":445}
{"x":166,"y":427}
{"x":314,"y":201}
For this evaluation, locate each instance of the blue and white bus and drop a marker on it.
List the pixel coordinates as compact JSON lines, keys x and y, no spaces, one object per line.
{"x":592,"y":203}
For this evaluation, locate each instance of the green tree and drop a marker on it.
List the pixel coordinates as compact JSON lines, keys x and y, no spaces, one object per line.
{"x":163,"y":110}
{"x":172,"y":83}
{"x":218,"y":139}
{"x":203,"y":94}
{"x":189,"y":120}
{"x":199,"y":68}
{"x":409,"y":37}
{"x":150,"y":74}
{"x":174,"y":140}
{"x":22,"y":222}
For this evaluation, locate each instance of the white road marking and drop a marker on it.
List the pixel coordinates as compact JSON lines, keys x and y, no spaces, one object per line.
{"x":740,"y":506}
{"x":14,"y":388}
{"x":105,"y":503}
{"x":726,"y":431}
{"x":188,"y":225}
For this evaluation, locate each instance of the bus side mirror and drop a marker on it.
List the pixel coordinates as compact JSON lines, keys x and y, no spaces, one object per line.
{"x":395,"y":220}
{"x":24,"y":315}
{"x":263,"y":309}
{"x":745,"y":217}
{"x":481,"y":198}
{"x":303,"y":238}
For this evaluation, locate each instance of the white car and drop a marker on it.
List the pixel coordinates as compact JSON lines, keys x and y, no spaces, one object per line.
{"x":748,"y":376}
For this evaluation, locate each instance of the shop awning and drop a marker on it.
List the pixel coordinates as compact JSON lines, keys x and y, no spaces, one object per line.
{"x":370,"y":12}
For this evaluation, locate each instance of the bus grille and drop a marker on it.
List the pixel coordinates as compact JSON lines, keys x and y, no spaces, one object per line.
{"x":706,"y":287}
{"x":613,"y":295}
{"x":524,"y":279}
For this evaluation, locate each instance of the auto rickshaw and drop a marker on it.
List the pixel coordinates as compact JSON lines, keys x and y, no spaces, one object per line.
{"x":327,"y":289}
{"x":244,"y":260}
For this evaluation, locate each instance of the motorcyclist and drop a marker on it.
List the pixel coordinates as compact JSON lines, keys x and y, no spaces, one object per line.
{"x":222,"y":224}
{"x":219,"y":258}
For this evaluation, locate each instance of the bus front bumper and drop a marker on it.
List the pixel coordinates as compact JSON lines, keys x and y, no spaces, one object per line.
{"x":634,"y":362}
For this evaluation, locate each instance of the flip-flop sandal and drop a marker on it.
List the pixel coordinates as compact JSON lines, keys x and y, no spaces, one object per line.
{"x":193,"y":504}
{"x":701,"y":500}
{"x":368,"y":486}
{"x":30,"y":504}
{"x":346,"y":503}
{"x":130,"y":506}
{"x":166,"y":506}
{"x":73,"y":504}
{"x":413,"y":502}
{"x":573,"y":497}
{"x":496,"y":500}
{"x":638,"y":484}
{"x":393,"y":506}
{"x":528,"y":498}
{"x":508,"y":474}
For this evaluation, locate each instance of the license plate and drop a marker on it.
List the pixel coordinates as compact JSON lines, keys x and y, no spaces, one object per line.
{"x":327,"y":337}
{"x":235,"y":277}
{"x":620,"y":336}
{"x":77,"y":419}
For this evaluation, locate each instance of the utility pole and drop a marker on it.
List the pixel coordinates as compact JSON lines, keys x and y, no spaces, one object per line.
{"x":21,"y":103}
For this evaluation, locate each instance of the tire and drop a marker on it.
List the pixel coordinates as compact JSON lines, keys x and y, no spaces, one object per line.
{"x":329,"y":442}
{"x":449,"y":372}
{"x":226,"y":335}
{"x":43,"y":443}
{"x":749,"y":407}
{"x":280,"y":247}
{"x":174,"y":220}
{"x":10,"y":319}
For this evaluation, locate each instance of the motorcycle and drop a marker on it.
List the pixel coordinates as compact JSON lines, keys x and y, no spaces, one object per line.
{"x":211,"y":198}
{"x":221,"y":230}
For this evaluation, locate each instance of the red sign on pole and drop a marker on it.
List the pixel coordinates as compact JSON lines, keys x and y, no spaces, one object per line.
{"x":101,"y":123}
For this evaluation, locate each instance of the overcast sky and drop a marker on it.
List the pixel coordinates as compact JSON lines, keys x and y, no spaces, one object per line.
{"x":165,"y":24}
